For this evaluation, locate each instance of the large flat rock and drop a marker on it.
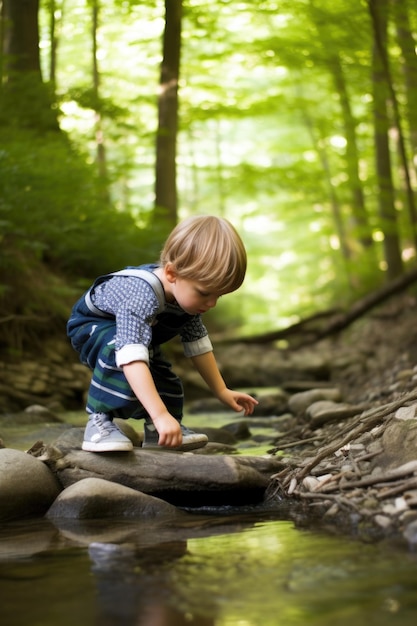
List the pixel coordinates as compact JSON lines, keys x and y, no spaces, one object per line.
{"x":180,"y":478}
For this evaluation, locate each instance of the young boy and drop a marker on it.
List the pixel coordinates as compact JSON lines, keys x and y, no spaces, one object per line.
{"x":120,"y":323}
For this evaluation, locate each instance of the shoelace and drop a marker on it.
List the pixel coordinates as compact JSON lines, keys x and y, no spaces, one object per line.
{"x":104,"y":427}
{"x":187,"y":431}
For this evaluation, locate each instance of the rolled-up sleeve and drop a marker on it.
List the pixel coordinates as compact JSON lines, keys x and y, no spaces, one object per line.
{"x":130,"y":353}
{"x":195,"y":338}
{"x":199,"y":346}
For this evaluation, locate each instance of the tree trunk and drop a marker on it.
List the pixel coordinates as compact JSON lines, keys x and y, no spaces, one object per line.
{"x":339,"y":225}
{"x":53,"y":23}
{"x":22,"y":37}
{"x":409,"y":59}
{"x":352,"y":157}
{"x":99,"y":134}
{"x":386,"y":196}
{"x":165,"y":212}
{"x":409,"y":62}
{"x":26,"y":101}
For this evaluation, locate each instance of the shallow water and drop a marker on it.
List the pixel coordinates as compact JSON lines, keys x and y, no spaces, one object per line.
{"x":235,"y":570}
{"x":219,"y":567}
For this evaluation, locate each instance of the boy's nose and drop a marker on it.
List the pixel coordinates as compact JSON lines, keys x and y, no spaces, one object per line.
{"x":212,"y":301}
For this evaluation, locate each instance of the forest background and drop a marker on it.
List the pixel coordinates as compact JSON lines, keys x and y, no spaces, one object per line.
{"x":296,"y":120}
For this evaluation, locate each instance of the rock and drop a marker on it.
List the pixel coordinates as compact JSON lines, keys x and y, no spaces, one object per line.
{"x":240,"y":430}
{"x":299,"y":402}
{"x":213,"y":447}
{"x":325,"y":411}
{"x":176,"y":477}
{"x":410,"y":533}
{"x":95,"y":498}
{"x":383,"y":521}
{"x":406,"y":412}
{"x":399,"y":441}
{"x":27,"y":486}
{"x":218,"y":435}
{"x":41,"y":413}
{"x":310,"y":483}
{"x":271,"y":403}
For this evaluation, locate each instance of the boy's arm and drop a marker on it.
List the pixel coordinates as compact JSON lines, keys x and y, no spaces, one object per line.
{"x":207,"y":367}
{"x":140,"y":379}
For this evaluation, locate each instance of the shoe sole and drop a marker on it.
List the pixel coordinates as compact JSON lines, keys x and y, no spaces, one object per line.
{"x":121,"y":446}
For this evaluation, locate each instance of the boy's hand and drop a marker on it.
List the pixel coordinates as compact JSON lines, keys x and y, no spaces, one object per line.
{"x":169,"y":430}
{"x":238,"y":401}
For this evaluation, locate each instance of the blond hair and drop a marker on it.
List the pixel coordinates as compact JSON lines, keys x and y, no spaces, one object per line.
{"x":209,"y":250}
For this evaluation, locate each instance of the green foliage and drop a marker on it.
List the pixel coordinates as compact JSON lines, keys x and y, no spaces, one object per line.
{"x":58,"y":231}
{"x":53,"y":205}
{"x":28,"y":103}
{"x":86,"y":97}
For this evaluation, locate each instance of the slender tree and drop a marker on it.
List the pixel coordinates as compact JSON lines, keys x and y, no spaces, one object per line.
{"x":55,"y":8}
{"x":407,"y":82}
{"x":99,"y":133}
{"x":165,"y":213}
{"x":396,"y":116}
{"x":359,"y":212}
{"x":331,"y":57}
{"x":408,"y":43}
{"x":386,"y":194}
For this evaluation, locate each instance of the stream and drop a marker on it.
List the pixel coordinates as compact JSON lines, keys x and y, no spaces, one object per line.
{"x":230,"y":571}
{"x":218,"y":567}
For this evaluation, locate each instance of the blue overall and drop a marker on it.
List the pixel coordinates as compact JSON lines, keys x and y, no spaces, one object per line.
{"x":92,"y":334}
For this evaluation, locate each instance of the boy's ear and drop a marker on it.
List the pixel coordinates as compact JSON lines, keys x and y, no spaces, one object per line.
{"x":170,"y":273}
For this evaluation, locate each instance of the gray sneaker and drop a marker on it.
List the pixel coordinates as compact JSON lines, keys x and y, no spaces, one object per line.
{"x":190,"y":439}
{"x":101,"y":435}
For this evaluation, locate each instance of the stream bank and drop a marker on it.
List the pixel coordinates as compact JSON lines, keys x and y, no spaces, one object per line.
{"x":340,"y":418}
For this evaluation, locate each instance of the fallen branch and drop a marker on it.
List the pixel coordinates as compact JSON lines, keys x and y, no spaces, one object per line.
{"x":411,"y":483}
{"x":380,"y":479}
{"x":307,"y":329}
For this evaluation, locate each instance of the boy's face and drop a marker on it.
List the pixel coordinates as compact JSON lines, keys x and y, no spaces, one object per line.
{"x":192,"y":296}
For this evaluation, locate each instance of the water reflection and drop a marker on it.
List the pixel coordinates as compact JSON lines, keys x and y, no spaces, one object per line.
{"x":205,"y":571}
{"x":134,"y":588}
